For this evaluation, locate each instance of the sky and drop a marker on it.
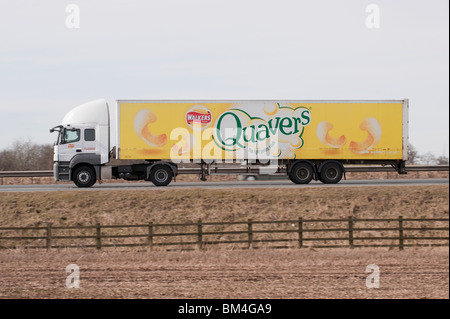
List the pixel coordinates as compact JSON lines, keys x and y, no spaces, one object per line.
{"x":233,"y":49}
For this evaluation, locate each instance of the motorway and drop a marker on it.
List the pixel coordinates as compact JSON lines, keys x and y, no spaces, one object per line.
{"x":223,"y":185}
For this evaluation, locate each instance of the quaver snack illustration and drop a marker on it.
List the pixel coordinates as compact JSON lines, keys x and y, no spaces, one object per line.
{"x":322,"y":133}
{"x":370,"y":125}
{"x":373,"y":128}
{"x":141,"y":126}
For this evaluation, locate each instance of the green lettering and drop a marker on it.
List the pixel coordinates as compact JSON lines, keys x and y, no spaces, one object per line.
{"x":230,"y":141}
{"x":297,"y":121}
{"x":273,"y":129}
{"x":264,"y":130}
{"x":282,"y":125}
{"x":306,"y":116}
{"x":252,"y":134}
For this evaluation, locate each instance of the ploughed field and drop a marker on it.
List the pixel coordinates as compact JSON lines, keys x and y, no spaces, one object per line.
{"x":236,"y":274}
{"x":223,"y":271}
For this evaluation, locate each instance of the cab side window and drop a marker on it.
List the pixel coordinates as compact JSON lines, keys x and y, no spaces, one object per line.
{"x":89,"y":134}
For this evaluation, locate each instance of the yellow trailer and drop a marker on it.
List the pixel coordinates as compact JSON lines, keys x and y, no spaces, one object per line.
{"x":342,"y":130}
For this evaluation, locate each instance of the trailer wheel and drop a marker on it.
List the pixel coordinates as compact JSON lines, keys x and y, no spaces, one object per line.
{"x":84,"y":176}
{"x":301,"y":173}
{"x":331,"y":173}
{"x":161,"y":175}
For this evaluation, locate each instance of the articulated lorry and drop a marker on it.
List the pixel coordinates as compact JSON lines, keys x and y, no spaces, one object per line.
{"x":156,"y":140}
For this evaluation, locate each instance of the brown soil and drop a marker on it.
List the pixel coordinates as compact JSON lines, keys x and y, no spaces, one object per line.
{"x":412,"y":273}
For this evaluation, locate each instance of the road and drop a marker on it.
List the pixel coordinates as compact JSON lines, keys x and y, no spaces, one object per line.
{"x":223,"y":185}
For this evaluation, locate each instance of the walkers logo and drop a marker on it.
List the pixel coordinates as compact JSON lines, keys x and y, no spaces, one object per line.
{"x":199,"y":114}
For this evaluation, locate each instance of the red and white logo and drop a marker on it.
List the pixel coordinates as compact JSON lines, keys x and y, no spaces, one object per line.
{"x":198,"y":114}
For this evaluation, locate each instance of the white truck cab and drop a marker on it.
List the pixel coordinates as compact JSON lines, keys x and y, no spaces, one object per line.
{"x":83,"y":142}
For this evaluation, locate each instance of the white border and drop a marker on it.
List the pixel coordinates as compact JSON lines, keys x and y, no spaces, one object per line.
{"x":259,"y":101}
{"x":405,"y":124}
{"x":117,"y":129}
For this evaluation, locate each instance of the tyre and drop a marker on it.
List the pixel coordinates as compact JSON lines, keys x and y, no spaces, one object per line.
{"x":301,"y":173}
{"x":84,"y":176}
{"x":331,"y":173}
{"x":161,"y":175}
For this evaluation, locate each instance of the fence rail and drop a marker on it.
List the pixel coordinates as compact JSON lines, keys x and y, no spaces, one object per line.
{"x":300,"y":233}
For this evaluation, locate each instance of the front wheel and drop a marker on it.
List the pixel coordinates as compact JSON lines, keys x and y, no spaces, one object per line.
{"x":161,"y":175}
{"x":84,"y":176}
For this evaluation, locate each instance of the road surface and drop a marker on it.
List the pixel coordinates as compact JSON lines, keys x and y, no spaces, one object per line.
{"x":222,"y":185}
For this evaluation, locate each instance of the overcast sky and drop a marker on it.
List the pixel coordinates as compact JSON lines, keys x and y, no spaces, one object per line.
{"x":233,"y":49}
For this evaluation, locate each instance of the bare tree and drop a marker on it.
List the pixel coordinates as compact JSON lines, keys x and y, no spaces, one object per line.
{"x":412,"y":154}
{"x":25,"y":155}
{"x":427,"y":159}
{"x":442,"y":160}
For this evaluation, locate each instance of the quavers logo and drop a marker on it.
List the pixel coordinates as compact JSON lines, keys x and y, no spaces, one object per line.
{"x":280,"y":128}
{"x":199,"y":114}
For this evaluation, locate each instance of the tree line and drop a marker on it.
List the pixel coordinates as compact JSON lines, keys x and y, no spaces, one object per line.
{"x":29,"y":156}
{"x":26,"y":156}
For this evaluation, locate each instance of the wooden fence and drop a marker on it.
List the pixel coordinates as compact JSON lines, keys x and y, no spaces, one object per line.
{"x":300,"y":233}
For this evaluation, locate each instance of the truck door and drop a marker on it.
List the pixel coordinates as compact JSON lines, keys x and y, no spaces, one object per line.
{"x":89,"y":140}
{"x":70,"y":144}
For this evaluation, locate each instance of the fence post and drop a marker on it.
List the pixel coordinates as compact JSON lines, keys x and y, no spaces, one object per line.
{"x":199,"y":235}
{"x":300,"y":232}
{"x":250,"y":233}
{"x":350,"y":231}
{"x":400,"y":232}
{"x":49,"y":236}
{"x":98,"y":236}
{"x":150,"y":236}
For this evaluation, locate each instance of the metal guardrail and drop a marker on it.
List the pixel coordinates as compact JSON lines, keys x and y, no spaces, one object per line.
{"x":411,"y":168}
{"x":26,"y":173}
{"x":348,"y":168}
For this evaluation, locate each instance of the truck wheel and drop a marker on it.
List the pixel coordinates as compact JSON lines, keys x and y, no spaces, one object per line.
{"x":84,"y":176}
{"x":301,"y":173}
{"x":161,"y":175}
{"x":331,"y":173}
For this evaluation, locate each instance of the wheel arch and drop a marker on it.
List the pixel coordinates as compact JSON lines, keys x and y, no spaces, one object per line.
{"x":89,"y":160}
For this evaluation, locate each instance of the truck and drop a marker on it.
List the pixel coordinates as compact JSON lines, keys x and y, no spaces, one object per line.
{"x":156,"y":140}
